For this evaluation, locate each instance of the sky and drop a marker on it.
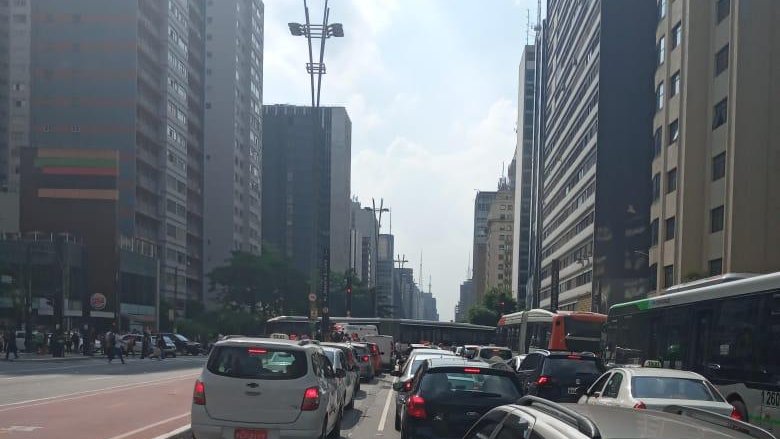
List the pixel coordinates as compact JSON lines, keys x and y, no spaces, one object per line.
{"x":431,"y":89}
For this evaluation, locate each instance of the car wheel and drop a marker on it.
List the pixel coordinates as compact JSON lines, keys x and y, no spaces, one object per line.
{"x":324,"y":434}
{"x":336,"y":432}
{"x":739,"y":406}
{"x":397,"y":422}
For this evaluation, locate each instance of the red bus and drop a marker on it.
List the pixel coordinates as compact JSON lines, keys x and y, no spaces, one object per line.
{"x":575,"y":331}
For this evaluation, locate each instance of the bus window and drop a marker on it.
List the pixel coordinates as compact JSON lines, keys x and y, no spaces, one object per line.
{"x":773,"y":330}
{"x":736,"y":338}
{"x":674,"y":339}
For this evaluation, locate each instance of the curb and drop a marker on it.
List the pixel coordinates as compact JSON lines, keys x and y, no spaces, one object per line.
{"x":21,"y":359}
{"x":180,"y":433}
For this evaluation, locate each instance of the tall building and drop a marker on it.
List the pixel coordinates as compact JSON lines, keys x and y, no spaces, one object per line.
{"x":499,"y":248}
{"x":523,"y":174}
{"x":15,"y":34}
{"x":482,"y":203}
{"x":467,"y":300}
{"x":406,"y":291}
{"x":386,"y":296}
{"x":306,"y":185}
{"x":429,"y":307}
{"x":129,"y":76}
{"x":716,"y":143}
{"x":596,"y":134}
{"x":363,"y":242}
{"x":233,"y":129}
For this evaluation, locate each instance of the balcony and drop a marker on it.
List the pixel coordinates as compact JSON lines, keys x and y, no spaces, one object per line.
{"x":147,"y":183}
{"x":147,"y":209}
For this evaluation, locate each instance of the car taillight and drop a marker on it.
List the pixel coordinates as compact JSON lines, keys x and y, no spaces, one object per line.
{"x":735,"y":414}
{"x":543,"y":380}
{"x":311,"y":399}
{"x":199,"y":393}
{"x":415,"y":407}
{"x":471,"y":370}
{"x":365,"y":358}
{"x":408,"y":386}
{"x":640,"y":405}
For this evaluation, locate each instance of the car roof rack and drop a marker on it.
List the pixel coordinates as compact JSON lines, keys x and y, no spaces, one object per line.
{"x":721,"y":420}
{"x":584,"y":424}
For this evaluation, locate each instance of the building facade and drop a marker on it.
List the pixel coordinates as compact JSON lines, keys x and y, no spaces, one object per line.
{"x":467,"y":299}
{"x":363,"y":242}
{"x":387,"y":296}
{"x":233,"y":129}
{"x":499,"y":248}
{"x":306,"y":185}
{"x":716,"y":145}
{"x":523,"y":172}
{"x":598,"y":111}
{"x":129,"y":75}
{"x":482,"y":203}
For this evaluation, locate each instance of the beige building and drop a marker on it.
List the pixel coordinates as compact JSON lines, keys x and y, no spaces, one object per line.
{"x":716,"y":166}
{"x":498,"y":256}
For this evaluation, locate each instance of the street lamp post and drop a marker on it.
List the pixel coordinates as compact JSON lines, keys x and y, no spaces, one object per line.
{"x":322,"y":32}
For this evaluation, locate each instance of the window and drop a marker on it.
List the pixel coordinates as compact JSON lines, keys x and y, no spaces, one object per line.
{"x":656,"y":187}
{"x":671,"y":181}
{"x":659,"y":96}
{"x":676,"y":35}
{"x":613,"y":386}
{"x":720,"y":113}
{"x":661,"y":387}
{"x":661,"y":9}
{"x":264,"y":363}
{"x":674,"y":131}
{"x":675,"y":88}
{"x":719,"y":166}
{"x":716,"y":267}
{"x":653,"y":277}
{"x":716,"y":219}
{"x":661,"y":49}
{"x":657,"y":141}
{"x":722,"y":60}
{"x":669,"y":229}
{"x":723,"y":9}
{"x":668,"y":276}
{"x":654,"y":232}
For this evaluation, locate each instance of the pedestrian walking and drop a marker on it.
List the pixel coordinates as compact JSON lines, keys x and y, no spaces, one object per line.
{"x":10,"y":344}
{"x":74,"y":341}
{"x":145,"y":345}
{"x":108,"y":345}
{"x":131,"y":346}
{"x":117,"y":347}
{"x":161,"y":346}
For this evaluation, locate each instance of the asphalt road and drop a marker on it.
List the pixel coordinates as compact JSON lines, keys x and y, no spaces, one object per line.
{"x":91,"y":399}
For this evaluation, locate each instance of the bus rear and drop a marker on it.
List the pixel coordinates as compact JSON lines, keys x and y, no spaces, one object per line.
{"x":576,"y":331}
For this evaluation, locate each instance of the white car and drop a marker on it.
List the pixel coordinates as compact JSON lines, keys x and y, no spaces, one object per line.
{"x":258,"y":388}
{"x":347,"y":379}
{"x":655,"y":388}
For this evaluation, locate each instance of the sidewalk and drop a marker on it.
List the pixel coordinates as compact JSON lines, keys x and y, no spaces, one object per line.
{"x":25,"y":357}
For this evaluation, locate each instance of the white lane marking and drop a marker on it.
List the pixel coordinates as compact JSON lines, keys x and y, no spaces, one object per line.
{"x":138,"y":430}
{"x":102,"y":378}
{"x":386,"y":409}
{"x":86,"y":393}
{"x":176,"y":432}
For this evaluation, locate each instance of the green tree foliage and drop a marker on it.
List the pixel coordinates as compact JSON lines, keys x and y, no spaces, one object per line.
{"x":362,"y":305}
{"x":496,"y":302}
{"x":481,"y":315}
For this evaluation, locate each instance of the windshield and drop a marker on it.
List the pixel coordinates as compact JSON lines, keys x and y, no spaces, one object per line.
{"x":570,"y":369}
{"x":445,"y":385}
{"x":671,"y":388}
{"x":489,"y":353}
{"x":181,"y":337}
{"x":257,"y":363}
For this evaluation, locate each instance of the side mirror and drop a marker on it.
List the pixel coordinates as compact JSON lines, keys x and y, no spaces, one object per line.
{"x":398,"y":386}
{"x":595,"y":394}
{"x":341,"y":373}
{"x":395,"y":373}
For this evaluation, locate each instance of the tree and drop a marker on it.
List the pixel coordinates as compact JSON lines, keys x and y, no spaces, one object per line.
{"x":499,"y":300}
{"x":481,"y":315}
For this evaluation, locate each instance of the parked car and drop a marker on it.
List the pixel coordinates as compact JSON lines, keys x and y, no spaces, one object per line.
{"x":184,"y":345}
{"x":493,"y":353}
{"x":559,"y":376}
{"x":170,"y":346}
{"x":543,"y":419}
{"x":376,"y":357}
{"x":365,"y":364}
{"x":655,"y":388}
{"x":266,"y":388}
{"x":448,"y":395}
{"x":125,"y":340}
{"x":406,"y":374}
{"x":346,"y":378}
{"x":386,"y":349}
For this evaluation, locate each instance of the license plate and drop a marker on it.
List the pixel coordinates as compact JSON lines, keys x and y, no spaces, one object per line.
{"x":241,"y":433}
{"x":573,"y":390}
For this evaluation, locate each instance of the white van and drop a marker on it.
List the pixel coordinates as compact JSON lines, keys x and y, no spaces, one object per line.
{"x":356,"y":332}
{"x":386,"y":345}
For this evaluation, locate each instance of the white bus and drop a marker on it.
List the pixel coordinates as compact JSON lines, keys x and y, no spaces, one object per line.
{"x":728,"y":331}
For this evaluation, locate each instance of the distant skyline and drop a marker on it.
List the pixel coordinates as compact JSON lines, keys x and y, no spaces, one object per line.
{"x":431,"y":88}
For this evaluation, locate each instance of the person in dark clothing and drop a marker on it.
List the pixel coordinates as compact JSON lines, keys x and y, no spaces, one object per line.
{"x":10,"y":344}
{"x":145,"y":345}
{"x":161,"y":346}
{"x":74,"y":341}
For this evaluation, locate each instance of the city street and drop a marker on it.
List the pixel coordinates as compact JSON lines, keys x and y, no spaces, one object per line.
{"x":91,"y":399}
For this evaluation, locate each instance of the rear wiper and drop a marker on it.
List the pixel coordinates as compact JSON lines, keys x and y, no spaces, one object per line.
{"x":480,"y":394}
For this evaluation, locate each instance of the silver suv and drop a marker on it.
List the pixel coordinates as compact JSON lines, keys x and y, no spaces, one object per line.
{"x":543,"y":419}
{"x":266,"y":388}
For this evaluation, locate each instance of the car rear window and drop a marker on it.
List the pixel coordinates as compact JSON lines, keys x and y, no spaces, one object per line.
{"x":488,"y":353}
{"x":671,"y":388}
{"x":255,"y":362}
{"x":485,"y":383}
{"x":570,"y":368}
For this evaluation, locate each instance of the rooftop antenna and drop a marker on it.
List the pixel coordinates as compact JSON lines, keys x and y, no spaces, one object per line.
{"x":421,"y":272}
{"x":527,"y":26}
{"x":430,"y":290}
{"x":538,"y":27}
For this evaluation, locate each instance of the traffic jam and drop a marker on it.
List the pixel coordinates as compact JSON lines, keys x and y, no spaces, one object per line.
{"x":549,"y":375}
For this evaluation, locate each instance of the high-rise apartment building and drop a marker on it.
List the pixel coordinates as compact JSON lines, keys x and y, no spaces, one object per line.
{"x":467,"y":300}
{"x":129,"y":76}
{"x":716,"y":148}
{"x":598,"y":110}
{"x":15,"y":34}
{"x":499,"y":248}
{"x":306,"y":185}
{"x":363,"y":243}
{"x":387,"y":294}
{"x":523,"y":174}
{"x":233,"y":131}
{"x":482,"y":204}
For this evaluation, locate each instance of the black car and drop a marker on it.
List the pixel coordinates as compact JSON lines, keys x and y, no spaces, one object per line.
{"x":558,"y":376}
{"x":184,"y":345}
{"x":447,"y":395}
